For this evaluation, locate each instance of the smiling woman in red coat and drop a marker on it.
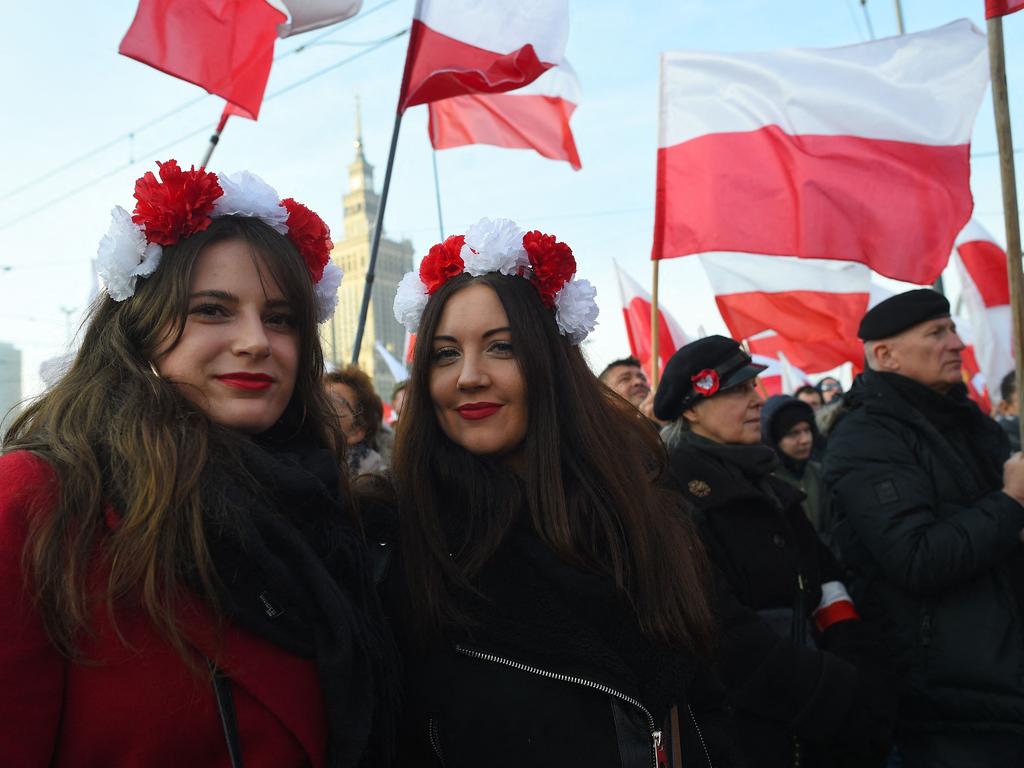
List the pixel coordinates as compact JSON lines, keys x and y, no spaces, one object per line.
{"x":181,"y":578}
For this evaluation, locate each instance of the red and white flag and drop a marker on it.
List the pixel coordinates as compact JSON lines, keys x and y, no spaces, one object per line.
{"x":995,"y":8}
{"x":534,"y":117}
{"x":814,"y":356}
{"x":780,"y":377}
{"x":801,"y":300}
{"x":225,"y":47}
{"x":985,"y":292}
{"x":859,"y":153}
{"x":466,"y":46}
{"x":636,"y":310}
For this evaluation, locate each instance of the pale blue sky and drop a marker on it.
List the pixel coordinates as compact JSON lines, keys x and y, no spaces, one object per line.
{"x":67,"y":91}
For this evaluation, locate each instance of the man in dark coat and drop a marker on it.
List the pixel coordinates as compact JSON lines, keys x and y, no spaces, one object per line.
{"x":929,"y":515}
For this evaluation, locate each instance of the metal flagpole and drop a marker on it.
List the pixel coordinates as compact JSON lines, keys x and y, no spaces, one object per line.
{"x":1011,"y":215}
{"x":378,"y":228}
{"x":214,"y":139}
{"x":899,"y":18}
{"x":437,"y":194}
{"x":655,"y":327}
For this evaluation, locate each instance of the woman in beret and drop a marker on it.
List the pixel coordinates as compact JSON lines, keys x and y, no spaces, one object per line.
{"x":791,"y":650}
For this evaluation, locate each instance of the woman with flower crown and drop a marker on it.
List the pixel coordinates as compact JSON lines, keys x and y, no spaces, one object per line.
{"x":181,"y":577}
{"x":549,"y":597}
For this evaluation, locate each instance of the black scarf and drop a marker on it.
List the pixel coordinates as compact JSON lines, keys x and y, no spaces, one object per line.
{"x":293,"y":569}
{"x":959,"y":421}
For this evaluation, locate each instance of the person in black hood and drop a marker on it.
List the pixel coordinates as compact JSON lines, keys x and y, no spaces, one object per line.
{"x":929,"y":518}
{"x":788,"y":428}
{"x":799,"y":670}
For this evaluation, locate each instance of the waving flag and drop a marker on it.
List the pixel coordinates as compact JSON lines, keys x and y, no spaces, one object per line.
{"x":995,"y":8}
{"x":985,"y":292}
{"x":466,"y":46}
{"x":307,"y":15}
{"x":534,"y":117}
{"x":225,"y":47}
{"x":814,"y":356}
{"x":819,"y":301}
{"x":858,"y":153}
{"x":636,"y":309}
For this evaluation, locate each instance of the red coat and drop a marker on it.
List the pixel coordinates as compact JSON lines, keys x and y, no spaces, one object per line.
{"x":138,"y":706}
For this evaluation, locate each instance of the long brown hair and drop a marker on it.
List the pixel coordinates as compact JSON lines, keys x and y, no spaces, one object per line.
{"x":117,"y":434}
{"x":589,"y":481}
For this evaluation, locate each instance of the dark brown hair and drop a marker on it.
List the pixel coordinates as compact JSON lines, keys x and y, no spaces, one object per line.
{"x":368,"y":410}
{"x":116,"y":433}
{"x":588,"y":481}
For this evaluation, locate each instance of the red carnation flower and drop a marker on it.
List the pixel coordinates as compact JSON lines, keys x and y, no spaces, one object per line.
{"x":706,"y":382}
{"x":443,"y":262}
{"x":310,"y":235}
{"x":178,"y":205}
{"x":552,"y":262}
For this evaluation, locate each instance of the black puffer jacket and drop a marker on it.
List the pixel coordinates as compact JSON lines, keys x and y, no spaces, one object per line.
{"x":555,"y":673}
{"x":933,"y":549}
{"x":816,"y":700}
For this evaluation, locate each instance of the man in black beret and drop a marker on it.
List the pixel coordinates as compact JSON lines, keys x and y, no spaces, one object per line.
{"x":929,"y":512}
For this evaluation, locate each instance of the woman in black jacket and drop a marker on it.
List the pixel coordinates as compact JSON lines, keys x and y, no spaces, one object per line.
{"x":791,"y":653}
{"x":549,"y":600}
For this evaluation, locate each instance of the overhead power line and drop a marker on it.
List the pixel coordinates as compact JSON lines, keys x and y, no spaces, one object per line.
{"x":206,"y":127}
{"x":130,"y":135}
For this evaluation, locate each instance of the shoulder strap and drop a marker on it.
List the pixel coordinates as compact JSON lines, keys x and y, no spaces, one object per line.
{"x":226,"y":708}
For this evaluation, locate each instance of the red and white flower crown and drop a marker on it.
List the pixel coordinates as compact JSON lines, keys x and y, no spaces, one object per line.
{"x":183,"y":203}
{"x":501,"y":246}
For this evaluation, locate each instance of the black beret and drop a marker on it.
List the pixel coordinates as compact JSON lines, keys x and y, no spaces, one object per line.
{"x":701,"y":369}
{"x":900,"y":312}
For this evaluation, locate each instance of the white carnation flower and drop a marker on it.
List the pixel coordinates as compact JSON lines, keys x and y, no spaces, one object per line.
{"x":576,"y":310}
{"x":494,"y":246}
{"x":124,"y":255}
{"x":246,"y":194}
{"x":410,"y":301}
{"x":327,"y":291}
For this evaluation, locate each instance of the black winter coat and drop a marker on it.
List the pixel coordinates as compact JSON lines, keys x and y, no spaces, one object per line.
{"x":930,"y":552}
{"x":794,"y":702}
{"x":542,"y":682}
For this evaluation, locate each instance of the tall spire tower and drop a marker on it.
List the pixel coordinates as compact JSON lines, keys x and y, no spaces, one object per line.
{"x":352,"y":254}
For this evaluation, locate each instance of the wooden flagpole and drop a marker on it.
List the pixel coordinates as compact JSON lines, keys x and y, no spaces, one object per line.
{"x":655,"y":327}
{"x":1011,"y":215}
{"x":378,"y":228}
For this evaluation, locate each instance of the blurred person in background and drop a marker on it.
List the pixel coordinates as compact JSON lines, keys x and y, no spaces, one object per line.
{"x":360,"y":411}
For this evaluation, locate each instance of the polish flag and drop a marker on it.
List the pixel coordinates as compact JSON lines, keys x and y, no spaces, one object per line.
{"x":226,"y":48}
{"x":985,"y":292}
{"x":636,"y":310}
{"x":535,"y":117}
{"x":995,"y":8}
{"x":977,"y":387}
{"x":859,"y":153}
{"x":801,"y":300}
{"x":465,"y":46}
{"x":809,"y":355}
{"x":780,"y":377}
{"x":307,"y":15}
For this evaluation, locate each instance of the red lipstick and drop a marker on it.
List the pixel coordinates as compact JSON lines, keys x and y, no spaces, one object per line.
{"x":477,"y":411}
{"x":250,"y":381}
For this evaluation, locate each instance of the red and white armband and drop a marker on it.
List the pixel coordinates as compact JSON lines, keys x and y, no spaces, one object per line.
{"x":835,"y":606}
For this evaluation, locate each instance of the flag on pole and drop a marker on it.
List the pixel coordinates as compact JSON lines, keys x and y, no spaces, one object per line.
{"x":534,"y":117}
{"x":225,"y":47}
{"x":985,"y":292}
{"x":307,"y":15}
{"x":995,"y":8}
{"x":636,"y":310}
{"x":802,"y":300}
{"x":859,"y":153}
{"x":465,"y":46}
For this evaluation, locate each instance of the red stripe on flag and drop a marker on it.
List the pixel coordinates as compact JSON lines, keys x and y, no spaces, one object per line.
{"x":841,"y":610}
{"x":516,"y":121}
{"x":995,"y":8}
{"x":811,"y":356}
{"x":439,"y":67}
{"x":986,"y":263}
{"x":823,"y":197}
{"x":803,"y":315}
{"x":638,"y":329}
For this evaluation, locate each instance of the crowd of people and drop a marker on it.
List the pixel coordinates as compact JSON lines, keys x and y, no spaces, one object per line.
{"x":215,"y":552}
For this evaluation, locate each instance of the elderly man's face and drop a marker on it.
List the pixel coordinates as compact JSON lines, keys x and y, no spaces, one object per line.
{"x":629,"y":382}
{"x":928,"y":353}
